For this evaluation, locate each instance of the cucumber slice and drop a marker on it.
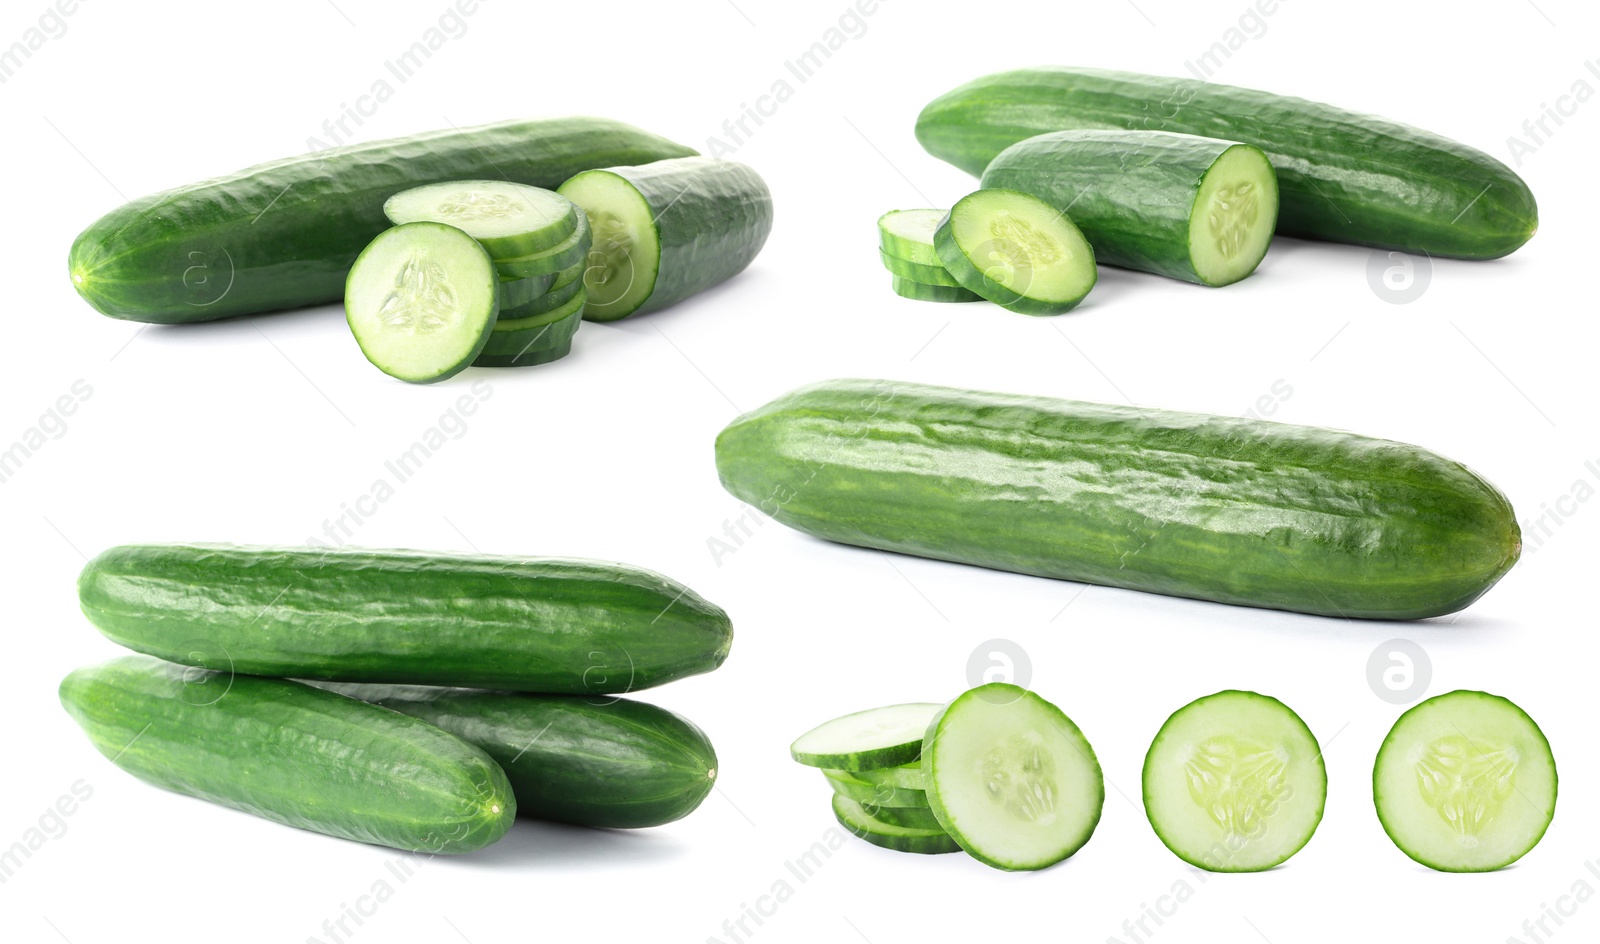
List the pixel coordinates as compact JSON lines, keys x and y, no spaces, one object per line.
{"x":510,"y":219}
{"x":865,"y":740}
{"x":1234,"y":782}
{"x":899,"y":838}
{"x":539,"y":319}
{"x":908,"y":235}
{"x":1465,"y":782}
{"x":528,"y":347}
{"x":922,"y":292}
{"x":571,"y":273}
{"x":514,"y":293}
{"x":563,"y":255}
{"x":1011,"y":778}
{"x":916,"y":272}
{"x":421,"y":301}
{"x":911,"y":817}
{"x":1017,"y":251}
{"x":539,"y":304}
{"x":848,"y":784}
{"x":908,"y":776}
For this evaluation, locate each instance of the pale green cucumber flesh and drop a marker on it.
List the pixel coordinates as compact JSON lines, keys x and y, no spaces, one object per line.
{"x":1017,"y":251}
{"x":878,"y":737}
{"x":920,"y":292}
{"x":625,"y":259}
{"x":510,"y":219}
{"x":908,"y":235}
{"x":888,"y":835}
{"x":906,"y":775}
{"x":562,"y":255}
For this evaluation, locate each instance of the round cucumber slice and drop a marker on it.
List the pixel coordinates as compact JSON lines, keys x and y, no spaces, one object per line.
{"x":528,"y":347}
{"x":908,"y":235}
{"x":522,"y":321}
{"x":514,"y":293}
{"x":1234,"y":216}
{"x":1011,"y":778}
{"x":571,"y":273}
{"x":899,"y":838}
{"x":1465,"y":782}
{"x":563,"y":255}
{"x":623,"y":264}
{"x":918,"y":291}
{"x":865,"y":740}
{"x":1234,"y":782}
{"x":851,"y":785}
{"x":539,"y":304}
{"x":509,"y":219}
{"x":911,"y":817}
{"x":1017,"y":251}
{"x":908,"y":776}
{"x":916,"y":272}
{"x":421,"y":301}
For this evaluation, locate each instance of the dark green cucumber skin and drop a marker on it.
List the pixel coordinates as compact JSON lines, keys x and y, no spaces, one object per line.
{"x":1132,"y":193}
{"x":712,"y":218}
{"x":607,"y":763}
{"x":531,"y":346}
{"x":292,"y":754}
{"x":1215,"y":508}
{"x":284,"y":234}
{"x":344,"y":614}
{"x":1342,"y":176}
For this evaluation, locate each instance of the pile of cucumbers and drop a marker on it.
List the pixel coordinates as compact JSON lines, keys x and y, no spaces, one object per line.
{"x":414,"y":700}
{"x":1180,"y":178}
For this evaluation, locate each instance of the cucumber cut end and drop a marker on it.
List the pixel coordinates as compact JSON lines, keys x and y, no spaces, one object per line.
{"x":421,"y":300}
{"x":1017,"y":251}
{"x":866,"y":740}
{"x":1234,"y":215}
{"x":625,"y":255}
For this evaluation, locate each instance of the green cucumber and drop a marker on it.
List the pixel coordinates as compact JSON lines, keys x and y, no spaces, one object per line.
{"x":510,"y":219}
{"x":563,"y":255}
{"x":908,"y":776}
{"x":350,"y":614}
{"x":908,"y":235}
{"x":571,"y":273}
{"x":1011,"y":778}
{"x":878,"y":737}
{"x":421,"y":301}
{"x":1017,"y":251}
{"x":292,"y":754}
{"x":921,"y":292}
{"x":1178,"y":205}
{"x":853,"y":817}
{"x":669,"y":230}
{"x":1234,"y":782}
{"x":1228,"y":509}
{"x":541,"y":339}
{"x":514,"y":293}
{"x":849,"y":784}
{"x":1342,"y":175}
{"x":284,"y":234}
{"x":539,"y":304}
{"x":607,"y":763}
{"x":916,"y":272}
{"x":1465,"y":782}
{"x":910,"y":817}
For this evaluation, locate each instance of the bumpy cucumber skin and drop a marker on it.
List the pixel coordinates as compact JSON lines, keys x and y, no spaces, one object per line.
{"x":606,"y":763}
{"x":292,"y":754}
{"x":852,"y":816}
{"x":1392,"y":738}
{"x":711,"y":216}
{"x":1342,"y":176}
{"x":1215,"y":508}
{"x":284,"y":234}
{"x":1132,"y":193}
{"x":343,"y":614}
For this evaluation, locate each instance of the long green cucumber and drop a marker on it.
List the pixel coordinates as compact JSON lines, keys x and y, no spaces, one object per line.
{"x":292,"y":754}
{"x":1342,"y":175}
{"x":1210,"y":507}
{"x":284,"y":234}
{"x":347,"y":614}
{"x":608,"y":763}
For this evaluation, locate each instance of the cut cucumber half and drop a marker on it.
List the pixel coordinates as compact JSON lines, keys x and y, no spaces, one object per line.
{"x":1017,"y":251}
{"x":1011,"y":778}
{"x":1465,"y":782}
{"x":851,"y":785}
{"x":908,"y":235}
{"x":866,"y":740}
{"x":514,"y":293}
{"x":509,"y":219}
{"x":1234,"y":782}
{"x":539,"y":304}
{"x":911,"y":817}
{"x":922,"y":292}
{"x":916,"y":272}
{"x":908,"y":776}
{"x":421,"y":301}
{"x":529,"y":347}
{"x":563,"y":255}
{"x":880,"y":833}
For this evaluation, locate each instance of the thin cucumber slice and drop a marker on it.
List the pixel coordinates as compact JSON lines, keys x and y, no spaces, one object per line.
{"x":908,"y":235}
{"x":564,"y":255}
{"x":1011,"y":778}
{"x":539,"y":319}
{"x":921,"y":292}
{"x":421,"y":301}
{"x":539,"y":304}
{"x":909,"y":776}
{"x":529,"y":347}
{"x":916,"y":272}
{"x":911,"y":817}
{"x":1465,"y":782}
{"x":899,"y":838}
{"x":1234,"y":782}
{"x":851,"y":785}
{"x":573,"y":272}
{"x":514,"y":293}
{"x":1017,"y":251}
{"x":877,"y":737}
{"x":509,"y":219}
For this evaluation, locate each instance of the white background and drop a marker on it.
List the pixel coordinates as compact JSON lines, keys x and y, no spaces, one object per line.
{"x":258,"y":430}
